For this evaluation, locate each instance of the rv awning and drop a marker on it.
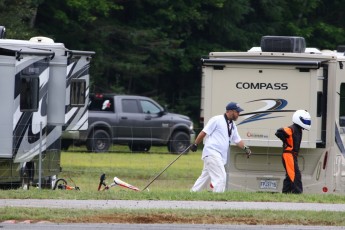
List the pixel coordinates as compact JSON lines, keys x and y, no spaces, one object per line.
{"x":19,"y":51}
{"x":298,"y":64}
{"x":72,"y":53}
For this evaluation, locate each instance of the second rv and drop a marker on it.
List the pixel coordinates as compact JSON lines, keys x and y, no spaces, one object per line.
{"x":270,"y":83}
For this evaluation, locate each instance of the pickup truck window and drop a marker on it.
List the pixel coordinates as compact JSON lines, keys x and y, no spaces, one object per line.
{"x":130,"y":106}
{"x":149,"y":107}
{"x":101,"y":104}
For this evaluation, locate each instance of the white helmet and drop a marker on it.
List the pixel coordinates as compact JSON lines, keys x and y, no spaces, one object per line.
{"x":302,"y":118}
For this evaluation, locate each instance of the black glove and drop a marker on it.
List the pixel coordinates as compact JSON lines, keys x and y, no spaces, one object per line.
{"x":285,"y":145}
{"x":247,"y":150}
{"x":193,"y":147}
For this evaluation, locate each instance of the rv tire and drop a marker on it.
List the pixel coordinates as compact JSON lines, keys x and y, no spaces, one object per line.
{"x":65,"y":144}
{"x":27,"y":175}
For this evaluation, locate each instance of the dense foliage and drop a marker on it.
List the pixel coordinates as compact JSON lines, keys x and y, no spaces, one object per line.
{"x":153,"y":47}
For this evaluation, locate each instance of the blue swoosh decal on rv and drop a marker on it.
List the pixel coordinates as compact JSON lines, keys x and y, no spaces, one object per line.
{"x":271,"y":106}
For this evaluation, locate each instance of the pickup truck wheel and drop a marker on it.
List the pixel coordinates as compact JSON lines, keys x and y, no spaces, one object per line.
{"x":139,"y":147}
{"x":179,"y":142}
{"x":98,"y":141}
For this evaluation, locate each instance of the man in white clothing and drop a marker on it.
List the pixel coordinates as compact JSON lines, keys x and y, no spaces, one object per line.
{"x":219,"y":131}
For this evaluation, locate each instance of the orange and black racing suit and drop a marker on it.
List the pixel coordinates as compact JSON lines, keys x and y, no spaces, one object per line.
{"x":291,"y":137}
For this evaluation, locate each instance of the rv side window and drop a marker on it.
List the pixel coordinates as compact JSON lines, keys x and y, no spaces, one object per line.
{"x":78,"y":88}
{"x":342,"y":105}
{"x":29,"y":94}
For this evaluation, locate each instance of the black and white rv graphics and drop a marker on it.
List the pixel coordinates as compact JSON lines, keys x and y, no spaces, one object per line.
{"x":77,"y":78}
{"x":77,"y":96}
{"x":270,"y":83}
{"x":33,"y":91}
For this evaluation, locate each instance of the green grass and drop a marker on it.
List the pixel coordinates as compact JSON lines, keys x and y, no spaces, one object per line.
{"x":84,"y":169}
{"x":137,"y":169}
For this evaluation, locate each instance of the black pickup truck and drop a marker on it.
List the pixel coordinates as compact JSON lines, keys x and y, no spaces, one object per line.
{"x":137,"y":121}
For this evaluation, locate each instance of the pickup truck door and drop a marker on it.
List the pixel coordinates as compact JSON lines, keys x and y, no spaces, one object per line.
{"x":127,"y":128}
{"x":155,"y":123}
{"x":140,"y":120}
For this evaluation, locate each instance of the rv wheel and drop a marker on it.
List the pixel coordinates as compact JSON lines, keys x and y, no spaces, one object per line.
{"x":65,"y":144}
{"x":27,"y":175}
{"x":49,"y":182}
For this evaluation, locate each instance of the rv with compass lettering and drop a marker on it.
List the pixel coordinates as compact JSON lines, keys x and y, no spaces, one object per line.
{"x":270,"y":83}
{"x":35,"y":75}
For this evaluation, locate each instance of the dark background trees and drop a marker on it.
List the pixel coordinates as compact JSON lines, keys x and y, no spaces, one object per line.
{"x":153,"y":47}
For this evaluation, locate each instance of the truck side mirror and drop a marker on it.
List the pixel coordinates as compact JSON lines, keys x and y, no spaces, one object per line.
{"x":165,"y":108}
{"x":161,"y":113}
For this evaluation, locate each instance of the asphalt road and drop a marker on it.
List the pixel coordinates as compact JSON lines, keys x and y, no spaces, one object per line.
{"x":161,"y":204}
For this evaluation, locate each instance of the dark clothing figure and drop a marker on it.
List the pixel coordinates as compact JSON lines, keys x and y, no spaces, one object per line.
{"x":291,"y":137}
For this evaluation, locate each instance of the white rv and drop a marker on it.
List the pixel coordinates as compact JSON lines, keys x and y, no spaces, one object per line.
{"x":33,"y":91}
{"x":270,"y":83}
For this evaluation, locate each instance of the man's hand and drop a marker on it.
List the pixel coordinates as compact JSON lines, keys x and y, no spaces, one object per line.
{"x":247,"y":150}
{"x":193,"y":147}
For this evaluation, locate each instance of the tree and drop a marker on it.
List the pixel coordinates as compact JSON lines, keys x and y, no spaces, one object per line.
{"x":153,"y":47}
{"x":18,"y":16}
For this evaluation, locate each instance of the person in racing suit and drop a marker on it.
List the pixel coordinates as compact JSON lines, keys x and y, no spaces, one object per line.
{"x":291,"y":137}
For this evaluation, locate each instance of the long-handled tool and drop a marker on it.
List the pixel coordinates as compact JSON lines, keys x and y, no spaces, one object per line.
{"x":183,"y":152}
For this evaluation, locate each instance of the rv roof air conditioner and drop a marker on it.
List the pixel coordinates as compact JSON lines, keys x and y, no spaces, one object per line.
{"x":2,"y":32}
{"x":41,"y":39}
{"x":284,"y":44}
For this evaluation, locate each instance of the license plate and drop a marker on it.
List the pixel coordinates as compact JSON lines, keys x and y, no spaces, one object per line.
{"x":268,"y":184}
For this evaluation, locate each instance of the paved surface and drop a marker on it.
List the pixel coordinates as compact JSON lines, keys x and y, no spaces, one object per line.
{"x":160,"y":204}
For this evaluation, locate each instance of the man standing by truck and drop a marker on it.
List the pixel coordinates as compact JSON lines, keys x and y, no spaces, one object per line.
{"x":220,"y":131}
{"x":291,"y":137}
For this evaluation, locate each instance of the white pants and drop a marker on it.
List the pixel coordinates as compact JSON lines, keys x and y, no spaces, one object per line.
{"x":214,"y":173}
